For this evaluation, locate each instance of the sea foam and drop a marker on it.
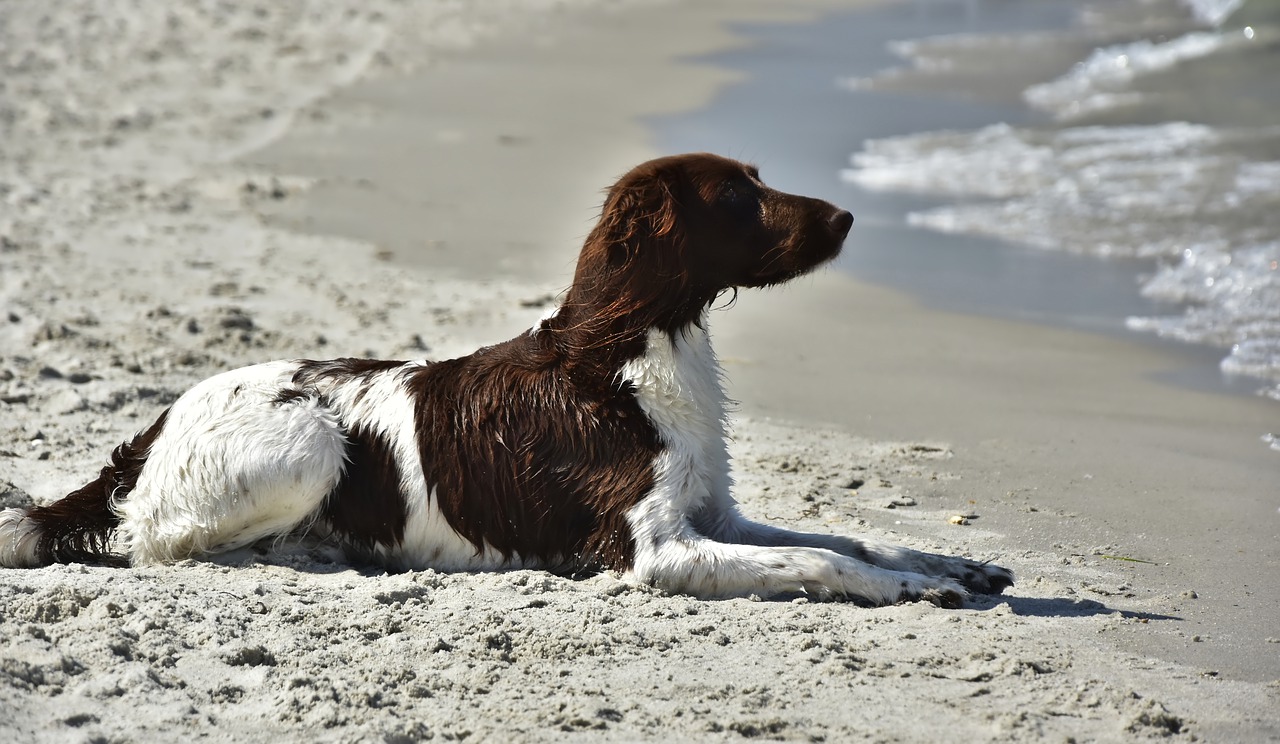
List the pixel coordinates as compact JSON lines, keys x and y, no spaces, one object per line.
{"x":1177,"y":192}
{"x":1102,"y":80}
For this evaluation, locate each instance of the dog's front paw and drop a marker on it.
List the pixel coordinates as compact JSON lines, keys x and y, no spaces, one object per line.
{"x":984,"y":578}
{"x":941,"y":592}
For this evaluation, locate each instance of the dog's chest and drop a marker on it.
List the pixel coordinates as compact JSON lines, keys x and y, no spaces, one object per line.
{"x":677,"y":385}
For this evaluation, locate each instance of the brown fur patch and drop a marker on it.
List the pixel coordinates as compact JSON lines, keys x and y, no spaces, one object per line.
{"x":530,"y":454}
{"x":367,"y":507}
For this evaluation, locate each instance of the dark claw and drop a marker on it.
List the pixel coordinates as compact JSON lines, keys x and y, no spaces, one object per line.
{"x":984,"y":578}
{"x":998,"y":582}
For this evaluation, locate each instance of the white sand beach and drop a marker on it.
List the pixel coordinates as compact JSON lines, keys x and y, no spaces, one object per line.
{"x":190,"y":187}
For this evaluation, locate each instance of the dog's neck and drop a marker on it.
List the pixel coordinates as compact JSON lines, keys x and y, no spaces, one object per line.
{"x":623,"y":287}
{"x":621,"y":349}
{"x":592,"y":329}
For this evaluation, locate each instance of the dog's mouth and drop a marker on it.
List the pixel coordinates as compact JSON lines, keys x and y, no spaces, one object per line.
{"x":813,"y":253}
{"x":802,"y":245}
{"x":807,"y":260}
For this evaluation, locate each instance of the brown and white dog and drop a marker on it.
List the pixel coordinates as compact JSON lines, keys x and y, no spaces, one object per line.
{"x":595,"y":440}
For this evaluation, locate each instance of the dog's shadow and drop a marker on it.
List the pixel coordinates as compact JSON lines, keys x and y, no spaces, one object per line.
{"x":316,"y":557}
{"x":1058,"y":607}
{"x":321,"y":558}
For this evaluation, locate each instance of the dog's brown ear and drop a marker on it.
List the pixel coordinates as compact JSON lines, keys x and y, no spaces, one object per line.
{"x":631,"y":269}
{"x":635,"y":215}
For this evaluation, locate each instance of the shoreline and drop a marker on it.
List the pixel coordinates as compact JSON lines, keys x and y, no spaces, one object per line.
{"x":172,"y":277}
{"x":536,"y":123}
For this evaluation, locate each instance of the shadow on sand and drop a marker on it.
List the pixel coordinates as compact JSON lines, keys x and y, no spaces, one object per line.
{"x":1058,"y":607}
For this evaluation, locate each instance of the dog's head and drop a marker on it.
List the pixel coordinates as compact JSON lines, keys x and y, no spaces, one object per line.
{"x":676,"y":231}
{"x":709,"y":222}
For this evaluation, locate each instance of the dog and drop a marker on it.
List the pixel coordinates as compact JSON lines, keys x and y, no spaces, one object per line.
{"x":594,"y":441}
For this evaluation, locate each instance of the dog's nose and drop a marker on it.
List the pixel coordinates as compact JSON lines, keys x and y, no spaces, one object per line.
{"x":840,"y":223}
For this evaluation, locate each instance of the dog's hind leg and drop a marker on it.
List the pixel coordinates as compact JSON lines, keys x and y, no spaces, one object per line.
{"x":240,"y":459}
{"x":237,"y":458}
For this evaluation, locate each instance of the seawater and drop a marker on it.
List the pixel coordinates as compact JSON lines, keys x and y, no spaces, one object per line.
{"x":793,"y":113}
{"x":1160,"y":140}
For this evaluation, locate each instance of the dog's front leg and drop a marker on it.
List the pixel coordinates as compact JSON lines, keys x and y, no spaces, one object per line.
{"x":693,"y":564}
{"x":728,"y":525}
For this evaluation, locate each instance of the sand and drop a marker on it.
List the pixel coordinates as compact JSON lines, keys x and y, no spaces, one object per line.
{"x":156,"y":162}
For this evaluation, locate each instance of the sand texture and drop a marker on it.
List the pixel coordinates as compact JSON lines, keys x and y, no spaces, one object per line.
{"x":142,"y":249}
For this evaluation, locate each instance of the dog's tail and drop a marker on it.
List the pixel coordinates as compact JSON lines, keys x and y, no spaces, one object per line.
{"x":77,"y":528}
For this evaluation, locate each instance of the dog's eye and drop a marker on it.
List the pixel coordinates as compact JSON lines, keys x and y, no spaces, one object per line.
{"x":736,"y":193}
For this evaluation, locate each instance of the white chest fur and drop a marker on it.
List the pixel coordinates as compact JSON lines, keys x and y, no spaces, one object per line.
{"x":677,"y":384}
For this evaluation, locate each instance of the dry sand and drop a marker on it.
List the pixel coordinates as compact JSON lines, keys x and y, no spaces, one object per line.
{"x":142,"y":248}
